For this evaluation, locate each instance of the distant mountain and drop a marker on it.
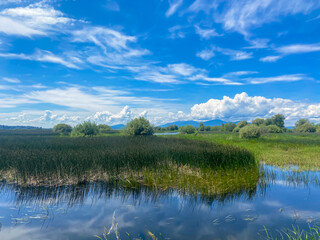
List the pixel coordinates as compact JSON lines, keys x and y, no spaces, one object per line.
{"x":210,"y":123}
{"x":17,"y":127}
{"x":118,"y":126}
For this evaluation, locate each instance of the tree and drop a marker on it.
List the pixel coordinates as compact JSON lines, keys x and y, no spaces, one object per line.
{"x":268,"y":122}
{"x":139,"y":126}
{"x":258,"y":121}
{"x":217,"y":128}
{"x":250,"y":131}
{"x":85,"y":129}
{"x":201,"y":127}
{"x":270,"y":129}
{"x":228,"y":127}
{"x":172,"y":127}
{"x":242,"y":124}
{"x":104,"y":128}
{"x":278,"y":120}
{"x":306,"y":128}
{"x":62,"y":129}
{"x":189,"y":129}
{"x":207,"y":128}
{"x":301,"y":122}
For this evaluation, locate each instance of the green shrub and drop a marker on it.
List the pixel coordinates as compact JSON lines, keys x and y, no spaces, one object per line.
{"x":270,"y":129}
{"x":217,"y":128}
{"x":85,"y":129}
{"x":240,"y":125}
{"x":250,"y":131}
{"x":278,"y":120}
{"x":228,"y":127}
{"x":306,"y":128}
{"x":62,"y":129}
{"x":258,"y":121}
{"x":172,"y":127}
{"x":139,"y":126}
{"x":189,"y":129}
{"x":104,"y":128}
{"x":318,"y":128}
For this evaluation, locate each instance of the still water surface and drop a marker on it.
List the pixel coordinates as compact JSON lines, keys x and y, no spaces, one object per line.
{"x":81,"y":212}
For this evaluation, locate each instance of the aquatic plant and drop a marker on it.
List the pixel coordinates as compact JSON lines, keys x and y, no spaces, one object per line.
{"x":295,"y":233}
{"x":164,"y":162}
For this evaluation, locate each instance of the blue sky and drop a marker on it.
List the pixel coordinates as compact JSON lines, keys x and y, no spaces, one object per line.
{"x":110,"y":61}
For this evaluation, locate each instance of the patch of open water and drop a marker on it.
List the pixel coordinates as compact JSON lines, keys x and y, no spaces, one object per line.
{"x":80,"y":212}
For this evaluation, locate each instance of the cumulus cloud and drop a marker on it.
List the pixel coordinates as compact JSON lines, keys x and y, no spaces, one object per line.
{"x":244,"y":107}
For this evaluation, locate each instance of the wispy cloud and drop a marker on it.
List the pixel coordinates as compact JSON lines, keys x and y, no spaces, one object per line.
{"x":241,"y":16}
{"x":34,"y":19}
{"x":41,"y":56}
{"x":281,"y":78}
{"x":11,"y":80}
{"x":207,"y":33}
{"x":299,"y":48}
{"x":174,"y":5}
{"x":235,"y":55}
{"x":270,"y":58}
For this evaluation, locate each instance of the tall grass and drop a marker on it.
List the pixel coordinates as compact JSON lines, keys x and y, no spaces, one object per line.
{"x":55,"y":161}
{"x":295,"y":233}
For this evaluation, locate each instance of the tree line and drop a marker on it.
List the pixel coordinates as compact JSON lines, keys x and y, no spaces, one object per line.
{"x":141,"y":126}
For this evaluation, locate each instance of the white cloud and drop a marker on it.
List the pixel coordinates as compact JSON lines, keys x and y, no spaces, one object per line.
{"x":207,"y":33}
{"x":235,"y":55}
{"x":112,"y":6}
{"x":41,"y":56}
{"x":244,"y":107}
{"x":270,"y":58}
{"x":281,"y":78}
{"x":11,"y":80}
{"x":35,"y":19}
{"x":182,"y":69}
{"x":206,"y":54}
{"x":177,"y":31}
{"x":12,"y":27}
{"x":299,"y":48}
{"x":174,"y":5}
{"x":241,"y":16}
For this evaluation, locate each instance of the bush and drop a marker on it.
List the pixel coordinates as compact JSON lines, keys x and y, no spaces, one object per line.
{"x":85,"y":129}
{"x":172,"y":127}
{"x":104,"y":128}
{"x":242,"y":124}
{"x":217,"y":128}
{"x":250,"y":131}
{"x":62,"y":129}
{"x":306,"y":128}
{"x":270,"y":129}
{"x":189,"y":129}
{"x":278,"y":120}
{"x":139,"y":126}
{"x":228,"y":127}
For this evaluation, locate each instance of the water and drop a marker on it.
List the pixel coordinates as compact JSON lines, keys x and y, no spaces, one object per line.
{"x":80,"y":212}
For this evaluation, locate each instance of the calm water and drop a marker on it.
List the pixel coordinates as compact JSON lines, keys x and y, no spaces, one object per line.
{"x":282,"y":199}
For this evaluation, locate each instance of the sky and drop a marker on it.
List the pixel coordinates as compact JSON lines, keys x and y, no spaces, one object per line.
{"x":110,"y":61}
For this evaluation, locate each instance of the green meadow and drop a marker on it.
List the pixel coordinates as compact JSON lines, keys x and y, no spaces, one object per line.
{"x":280,"y":149}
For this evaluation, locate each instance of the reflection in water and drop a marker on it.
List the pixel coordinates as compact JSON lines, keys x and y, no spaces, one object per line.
{"x":276,"y":199}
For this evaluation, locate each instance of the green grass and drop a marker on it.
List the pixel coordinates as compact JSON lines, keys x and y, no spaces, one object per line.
{"x":283,"y":150}
{"x":295,"y":233}
{"x":187,"y":165}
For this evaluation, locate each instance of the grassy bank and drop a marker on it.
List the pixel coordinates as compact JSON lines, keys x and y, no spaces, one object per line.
{"x":281,"y":150}
{"x":191,"y":166}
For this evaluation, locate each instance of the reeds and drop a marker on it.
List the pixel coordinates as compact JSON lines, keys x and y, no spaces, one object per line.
{"x":44,"y":160}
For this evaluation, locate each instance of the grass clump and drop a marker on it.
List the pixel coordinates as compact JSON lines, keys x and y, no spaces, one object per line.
{"x":295,"y":233}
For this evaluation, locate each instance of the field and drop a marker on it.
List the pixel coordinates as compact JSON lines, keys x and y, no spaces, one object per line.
{"x":283,"y":150}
